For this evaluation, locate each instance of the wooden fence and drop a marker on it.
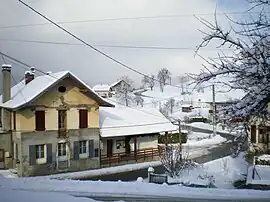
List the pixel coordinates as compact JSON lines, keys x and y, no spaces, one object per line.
{"x":139,"y":156}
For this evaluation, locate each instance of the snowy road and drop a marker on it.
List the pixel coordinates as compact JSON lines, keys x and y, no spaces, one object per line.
{"x":166,"y":199}
{"x":200,"y":155}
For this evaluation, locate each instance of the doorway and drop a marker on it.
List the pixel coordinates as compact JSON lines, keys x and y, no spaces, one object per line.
{"x":109,"y":147}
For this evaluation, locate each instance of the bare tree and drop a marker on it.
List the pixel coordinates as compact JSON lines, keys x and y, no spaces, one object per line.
{"x":138,"y":100}
{"x":171,"y":104}
{"x":145,"y":81}
{"x":183,"y":81}
{"x":163,"y":76}
{"x":174,"y":160}
{"x":152,"y":82}
{"x":148,"y":81}
{"x":123,"y":90}
{"x":248,"y":68}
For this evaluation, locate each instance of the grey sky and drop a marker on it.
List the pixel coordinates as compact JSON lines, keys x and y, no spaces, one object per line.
{"x":89,"y":65}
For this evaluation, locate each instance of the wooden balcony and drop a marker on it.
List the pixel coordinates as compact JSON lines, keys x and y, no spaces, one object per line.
{"x":143,"y":155}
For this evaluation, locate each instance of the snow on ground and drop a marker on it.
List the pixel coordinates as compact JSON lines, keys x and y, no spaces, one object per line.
{"x":224,"y":172}
{"x":10,"y":173}
{"x":208,"y":126}
{"x":258,"y":174}
{"x":9,"y":195}
{"x":102,"y":171}
{"x":213,"y":140}
{"x":196,"y":136}
{"x":125,"y":189}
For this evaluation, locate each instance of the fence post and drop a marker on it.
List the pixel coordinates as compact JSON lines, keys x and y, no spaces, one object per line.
{"x":151,"y":170}
{"x":152,"y":153}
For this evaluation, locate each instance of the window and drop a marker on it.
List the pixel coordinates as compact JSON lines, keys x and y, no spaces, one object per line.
{"x":14,"y":120}
{"x":83,"y":118}
{"x":0,"y":117}
{"x":40,"y":151}
{"x":83,"y":147}
{"x":253,"y":133}
{"x":40,"y":120}
{"x":120,"y":144}
{"x":62,"y":89}
{"x":62,"y":149}
{"x":62,"y":119}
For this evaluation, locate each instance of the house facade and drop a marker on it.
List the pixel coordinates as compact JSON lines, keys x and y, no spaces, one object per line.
{"x":50,"y":124}
{"x":259,"y":136}
{"x":130,"y":135}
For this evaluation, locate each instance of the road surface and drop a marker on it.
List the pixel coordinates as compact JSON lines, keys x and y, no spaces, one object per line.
{"x":126,"y":198}
{"x":213,"y":153}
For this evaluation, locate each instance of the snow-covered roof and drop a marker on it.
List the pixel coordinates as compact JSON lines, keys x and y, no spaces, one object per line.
{"x":115,"y":83}
{"x":101,"y":87}
{"x":22,"y":94}
{"x":123,"y":121}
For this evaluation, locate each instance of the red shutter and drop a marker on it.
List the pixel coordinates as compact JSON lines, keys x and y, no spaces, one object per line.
{"x":40,"y":120}
{"x":83,"y":118}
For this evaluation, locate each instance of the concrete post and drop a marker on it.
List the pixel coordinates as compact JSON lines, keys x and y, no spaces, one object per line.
{"x":151,"y":170}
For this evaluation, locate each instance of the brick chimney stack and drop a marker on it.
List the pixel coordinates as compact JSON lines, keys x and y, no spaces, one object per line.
{"x":6,"y":70}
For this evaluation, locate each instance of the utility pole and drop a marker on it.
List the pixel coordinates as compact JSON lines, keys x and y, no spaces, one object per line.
{"x":214,"y":110}
{"x":180,"y":138}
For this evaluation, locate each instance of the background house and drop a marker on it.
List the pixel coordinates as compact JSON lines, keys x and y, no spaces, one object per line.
{"x":104,"y":90}
{"x":116,"y":85}
{"x":131,"y":135}
{"x":50,"y":123}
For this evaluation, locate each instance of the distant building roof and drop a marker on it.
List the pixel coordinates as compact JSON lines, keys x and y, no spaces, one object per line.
{"x":124,"y":121}
{"x":101,"y":87}
{"x":22,"y":94}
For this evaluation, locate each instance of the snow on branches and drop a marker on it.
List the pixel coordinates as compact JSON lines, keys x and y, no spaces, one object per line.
{"x":248,"y":68}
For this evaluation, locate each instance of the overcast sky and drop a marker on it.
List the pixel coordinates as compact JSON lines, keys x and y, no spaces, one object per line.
{"x":181,"y":32}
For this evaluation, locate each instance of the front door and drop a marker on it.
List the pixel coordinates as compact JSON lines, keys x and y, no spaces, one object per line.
{"x":127,"y":145}
{"x":109,"y":147}
{"x":2,"y":156}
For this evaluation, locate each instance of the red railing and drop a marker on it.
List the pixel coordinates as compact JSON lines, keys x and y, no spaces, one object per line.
{"x":141,"y":155}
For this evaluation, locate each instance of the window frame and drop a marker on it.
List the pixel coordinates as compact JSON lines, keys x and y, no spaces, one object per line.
{"x":42,"y":159}
{"x":63,"y":148}
{"x":86,"y":147}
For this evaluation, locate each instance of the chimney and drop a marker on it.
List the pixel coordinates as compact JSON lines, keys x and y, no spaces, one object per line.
{"x":28,"y":76}
{"x":6,"y":70}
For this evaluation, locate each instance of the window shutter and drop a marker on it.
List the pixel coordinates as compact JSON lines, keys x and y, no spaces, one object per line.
{"x":96,"y":144}
{"x":32,"y":154}
{"x":40,"y":120}
{"x":253,"y":133}
{"x":76,"y":148}
{"x":49,"y":153}
{"x":91,"y":148}
{"x":83,"y":118}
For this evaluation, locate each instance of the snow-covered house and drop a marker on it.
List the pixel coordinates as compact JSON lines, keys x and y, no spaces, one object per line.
{"x":104,"y":90}
{"x":130,"y":135}
{"x":50,"y":124}
{"x":117,"y":84}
